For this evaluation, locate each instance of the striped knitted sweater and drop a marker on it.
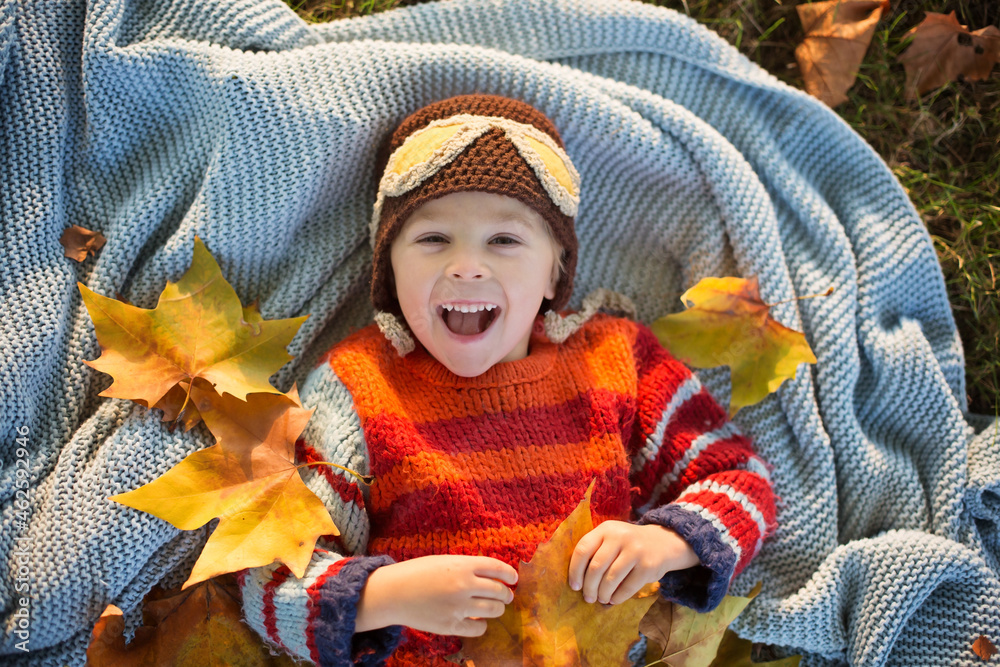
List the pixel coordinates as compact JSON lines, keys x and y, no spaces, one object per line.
{"x":492,"y":464}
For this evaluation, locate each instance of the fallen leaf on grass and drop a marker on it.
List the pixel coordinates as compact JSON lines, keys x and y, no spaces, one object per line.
{"x":78,"y":241}
{"x":736,"y":652}
{"x":837,"y":36}
{"x":197,"y":330}
{"x":727,"y":324}
{"x":943,"y":50}
{"x":681,"y":637}
{"x":200,"y":626}
{"x":550,"y":624}
{"x":984,"y":648}
{"x":266,"y":512}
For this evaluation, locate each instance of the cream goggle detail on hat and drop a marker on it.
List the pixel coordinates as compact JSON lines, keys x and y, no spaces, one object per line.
{"x":430,"y":148}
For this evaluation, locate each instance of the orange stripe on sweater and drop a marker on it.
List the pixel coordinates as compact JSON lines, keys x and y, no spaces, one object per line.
{"x":424,"y":469}
{"x":357,"y":364}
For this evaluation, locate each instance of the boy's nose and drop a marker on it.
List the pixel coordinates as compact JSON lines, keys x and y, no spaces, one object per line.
{"x":467,"y":266}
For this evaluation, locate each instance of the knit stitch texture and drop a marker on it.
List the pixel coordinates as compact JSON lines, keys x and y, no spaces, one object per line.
{"x":236,"y":121}
{"x":491,"y":465}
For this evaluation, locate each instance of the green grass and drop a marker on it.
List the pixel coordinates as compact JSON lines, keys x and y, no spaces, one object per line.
{"x":944,"y":147}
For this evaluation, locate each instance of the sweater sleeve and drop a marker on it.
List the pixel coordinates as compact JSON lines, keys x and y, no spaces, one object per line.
{"x":695,"y":473}
{"x":314,"y":617}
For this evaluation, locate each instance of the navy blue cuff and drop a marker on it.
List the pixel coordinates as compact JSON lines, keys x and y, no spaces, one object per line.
{"x":336,"y":641}
{"x":701,"y":587}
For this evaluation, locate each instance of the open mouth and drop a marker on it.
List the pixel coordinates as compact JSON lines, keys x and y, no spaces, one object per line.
{"x":468,"y":324}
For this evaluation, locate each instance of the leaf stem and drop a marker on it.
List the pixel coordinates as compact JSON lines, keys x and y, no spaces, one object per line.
{"x":364,"y":479}
{"x":828,"y":292}
{"x":187,"y":397}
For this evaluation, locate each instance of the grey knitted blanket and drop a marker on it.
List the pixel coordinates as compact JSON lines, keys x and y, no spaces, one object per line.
{"x":234,"y":120}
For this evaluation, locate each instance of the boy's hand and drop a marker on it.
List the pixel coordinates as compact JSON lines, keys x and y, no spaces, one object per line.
{"x":614,"y":560}
{"x":446,"y":595}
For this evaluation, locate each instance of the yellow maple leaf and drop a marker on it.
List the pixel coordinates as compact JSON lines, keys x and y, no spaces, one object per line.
{"x":265,"y":514}
{"x":198,"y":329}
{"x":727,"y":324}
{"x":548,"y":623}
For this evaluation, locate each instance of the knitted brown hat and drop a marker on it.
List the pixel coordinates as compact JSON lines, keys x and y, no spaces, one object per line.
{"x":484,"y":143}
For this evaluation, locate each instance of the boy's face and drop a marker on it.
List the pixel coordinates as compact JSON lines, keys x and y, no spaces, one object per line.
{"x":473,"y":249}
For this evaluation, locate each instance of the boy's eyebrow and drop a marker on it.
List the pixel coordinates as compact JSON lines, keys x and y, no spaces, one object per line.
{"x":515,"y":219}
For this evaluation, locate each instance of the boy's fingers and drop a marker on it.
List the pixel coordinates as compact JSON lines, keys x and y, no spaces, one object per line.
{"x":613,"y":577}
{"x":486,"y":609}
{"x":599,"y":564}
{"x":627,"y":588}
{"x":470,"y":627}
{"x":580,"y":559}
{"x":492,"y":589}
{"x":496,"y":569}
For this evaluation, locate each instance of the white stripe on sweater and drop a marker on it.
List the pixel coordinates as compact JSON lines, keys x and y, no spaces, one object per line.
{"x":755,"y":465}
{"x":724,"y":535}
{"x":651,"y":449}
{"x":253,"y":598}
{"x":697,"y":446}
{"x":737,"y":497}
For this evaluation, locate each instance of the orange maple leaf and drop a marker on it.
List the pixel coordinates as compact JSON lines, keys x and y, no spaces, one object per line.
{"x":548,"y":623}
{"x":78,"y":242}
{"x":942,"y":50}
{"x":202,"y":625}
{"x":837,"y":36}
{"x":727,"y":324}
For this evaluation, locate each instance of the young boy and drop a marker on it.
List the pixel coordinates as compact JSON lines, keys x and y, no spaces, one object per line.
{"x":483,"y":422}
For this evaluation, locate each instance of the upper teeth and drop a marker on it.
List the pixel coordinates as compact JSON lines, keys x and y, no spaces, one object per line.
{"x":469,"y":309}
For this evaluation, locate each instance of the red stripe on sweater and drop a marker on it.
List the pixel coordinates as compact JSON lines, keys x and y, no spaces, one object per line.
{"x":738,"y":522}
{"x":315,"y":592}
{"x":756,"y":489}
{"x":570,"y":421}
{"x":659,"y":382}
{"x":490,"y":503}
{"x":696,"y":417}
{"x":720,"y":456}
{"x":270,"y":588}
{"x":348,"y":491}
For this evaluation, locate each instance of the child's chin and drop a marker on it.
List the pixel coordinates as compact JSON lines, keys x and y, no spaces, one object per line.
{"x":466,"y":365}
{"x":467,"y":368}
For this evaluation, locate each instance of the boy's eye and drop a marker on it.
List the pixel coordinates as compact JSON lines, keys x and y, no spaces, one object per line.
{"x":432,"y":238}
{"x":504,"y":240}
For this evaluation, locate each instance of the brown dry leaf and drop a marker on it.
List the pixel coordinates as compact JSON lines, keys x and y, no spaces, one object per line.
{"x":837,"y":35}
{"x":78,"y":241}
{"x":266,"y":512}
{"x":727,"y":324}
{"x":984,"y":648}
{"x":681,"y":637}
{"x":736,"y":652}
{"x":201,"y":626}
{"x":943,"y":49}
{"x":197,"y":330}
{"x":550,"y":624}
